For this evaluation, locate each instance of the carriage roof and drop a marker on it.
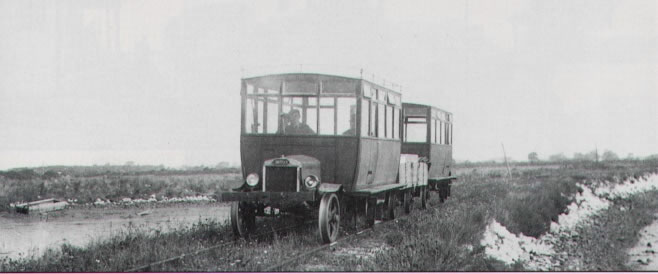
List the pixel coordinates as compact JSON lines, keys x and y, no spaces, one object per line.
{"x":422,"y":106}
{"x":339,"y":83}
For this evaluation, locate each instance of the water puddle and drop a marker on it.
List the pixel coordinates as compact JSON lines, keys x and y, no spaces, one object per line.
{"x":27,"y":235}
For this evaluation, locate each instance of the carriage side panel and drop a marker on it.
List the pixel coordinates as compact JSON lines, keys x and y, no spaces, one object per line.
{"x":346,"y":162}
{"x":388,"y":161}
{"x":441,"y":158}
{"x":378,"y":162}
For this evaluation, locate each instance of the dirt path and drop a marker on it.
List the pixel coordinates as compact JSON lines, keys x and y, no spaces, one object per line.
{"x":643,"y":256}
{"x":27,"y":235}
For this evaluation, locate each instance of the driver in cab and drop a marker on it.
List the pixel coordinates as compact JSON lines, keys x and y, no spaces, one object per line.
{"x":293,"y":125}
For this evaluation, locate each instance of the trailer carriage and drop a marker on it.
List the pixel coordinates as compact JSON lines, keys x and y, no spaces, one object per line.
{"x":428,"y":134}
{"x":324,"y":144}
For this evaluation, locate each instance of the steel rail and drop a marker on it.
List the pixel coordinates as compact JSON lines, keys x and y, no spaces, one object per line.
{"x":337,"y":242}
{"x":197,"y":252}
{"x":315,"y":250}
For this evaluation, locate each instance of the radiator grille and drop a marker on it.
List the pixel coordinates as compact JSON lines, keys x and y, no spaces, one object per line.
{"x":281,"y":179}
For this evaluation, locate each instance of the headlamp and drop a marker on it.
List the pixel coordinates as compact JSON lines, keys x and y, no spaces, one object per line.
{"x":252,"y":179}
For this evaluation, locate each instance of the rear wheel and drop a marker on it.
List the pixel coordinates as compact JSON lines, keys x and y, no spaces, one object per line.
{"x":423,"y":197}
{"x":371,"y":211}
{"x":243,"y":219}
{"x":329,"y":218}
{"x":443,"y":191}
{"x":407,"y":202}
{"x":391,"y":204}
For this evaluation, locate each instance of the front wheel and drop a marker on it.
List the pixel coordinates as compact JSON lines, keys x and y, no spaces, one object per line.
{"x":243,"y":219}
{"x":329,"y":218}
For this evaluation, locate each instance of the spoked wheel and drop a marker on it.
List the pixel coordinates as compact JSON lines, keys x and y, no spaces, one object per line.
{"x":391,"y":204}
{"x":243,"y":219}
{"x":423,"y":197}
{"x":371,"y":211}
{"x":329,"y":218}
{"x":443,"y":193}
{"x":407,"y":202}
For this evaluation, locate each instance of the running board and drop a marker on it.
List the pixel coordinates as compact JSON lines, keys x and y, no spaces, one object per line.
{"x":375,"y":190}
{"x":443,"y":179}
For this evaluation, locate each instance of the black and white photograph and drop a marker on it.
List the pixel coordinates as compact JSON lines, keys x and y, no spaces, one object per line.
{"x":328,"y":135}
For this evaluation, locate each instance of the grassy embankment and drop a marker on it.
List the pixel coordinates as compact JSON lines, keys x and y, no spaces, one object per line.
{"x":444,"y":237}
{"x":27,"y":185}
{"x":602,"y":245}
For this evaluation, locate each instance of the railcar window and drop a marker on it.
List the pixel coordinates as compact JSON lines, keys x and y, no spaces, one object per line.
{"x":311,"y":116}
{"x":447,"y":133}
{"x":260,"y":114}
{"x":327,"y":115}
{"x":381,"y":95}
{"x":373,"y":119}
{"x":381,"y":121}
{"x":415,"y":129}
{"x":272,"y":112}
{"x":300,"y":88}
{"x":250,"y":89}
{"x":441,"y":137}
{"x":339,"y":86}
{"x":451,"y":134}
{"x":268,"y":112}
{"x":251,"y":116}
{"x":307,"y":107}
{"x":346,"y":116}
{"x":389,"y":122}
{"x":396,"y":121}
{"x":433,"y":129}
{"x":365,"y":115}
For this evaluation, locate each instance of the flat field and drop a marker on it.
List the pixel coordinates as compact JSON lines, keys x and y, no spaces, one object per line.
{"x":445,"y":237}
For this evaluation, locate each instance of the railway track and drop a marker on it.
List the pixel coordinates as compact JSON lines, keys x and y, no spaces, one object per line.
{"x":342,"y":240}
{"x":146,"y":267}
{"x":304,"y":254}
{"x":313,"y":251}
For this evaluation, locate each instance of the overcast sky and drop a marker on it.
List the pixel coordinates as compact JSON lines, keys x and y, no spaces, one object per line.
{"x":157,"y":82}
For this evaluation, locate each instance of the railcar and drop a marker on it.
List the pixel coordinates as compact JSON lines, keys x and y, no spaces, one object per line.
{"x":428,"y":133}
{"x":329,"y":145}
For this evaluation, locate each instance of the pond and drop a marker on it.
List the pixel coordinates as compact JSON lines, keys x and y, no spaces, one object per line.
{"x":30,"y":235}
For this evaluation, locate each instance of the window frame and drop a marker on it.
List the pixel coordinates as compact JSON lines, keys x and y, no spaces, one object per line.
{"x":251,"y":92}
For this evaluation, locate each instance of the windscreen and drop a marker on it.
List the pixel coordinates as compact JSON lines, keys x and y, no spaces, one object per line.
{"x":300,"y":115}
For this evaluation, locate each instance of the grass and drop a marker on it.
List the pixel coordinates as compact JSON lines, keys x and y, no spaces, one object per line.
{"x":114,"y":187}
{"x":130,"y":248}
{"x":443,"y":238}
{"x":602,"y":246}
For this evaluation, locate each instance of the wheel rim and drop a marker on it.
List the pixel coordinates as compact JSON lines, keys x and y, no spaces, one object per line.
{"x":329,"y":218}
{"x":391,"y":205}
{"x":407,"y":202}
{"x":371,"y":210}
{"x":423,"y":198}
{"x":242,"y":220}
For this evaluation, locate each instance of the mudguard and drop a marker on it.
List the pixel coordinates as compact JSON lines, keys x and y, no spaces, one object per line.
{"x":329,"y":188}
